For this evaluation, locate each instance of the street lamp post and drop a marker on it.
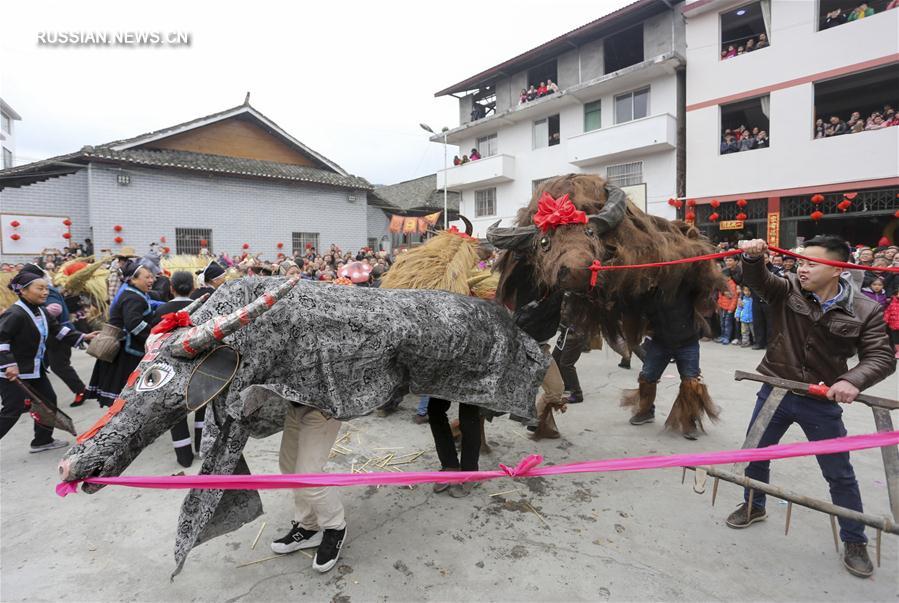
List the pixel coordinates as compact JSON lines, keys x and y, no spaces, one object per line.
{"x":427,"y":128}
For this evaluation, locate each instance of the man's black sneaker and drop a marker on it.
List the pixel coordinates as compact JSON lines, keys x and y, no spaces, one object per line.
{"x":51,"y":445}
{"x":739,"y":519}
{"x":644,"y":417}
{"x":574,"y":398}
{"x":329,"y":550}
{"x":297,"y":538}
{"x":856,"y":560}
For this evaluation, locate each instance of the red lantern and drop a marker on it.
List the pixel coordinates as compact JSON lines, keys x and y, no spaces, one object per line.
{"x":246,"y":245}
{"x":741,"y":216}
{"x":280,"y":245}
{"x":671,"y":201}
{"x":715,"y":203}
{"x":117,"y":228}
{"x":690,"y":216}
{"x":15,"y":236}
{"x":713,"y":217}
{"x":280,"y":255}
{"x":816,"y":215}
{"x":67,"y":235}
{"x":850,"y":196}
{"x":67,"y":222}
{"x":204,"y":242}
{"x":741,"y":203}
{"x":691,"y":202}
{"x":162,"y":239}
{"x":678,"y":204}
{"x":118,"y":240}
{"x":816,"y":199}
{"x":896,"y":215}
{"x":15,"y":223}
{"x":844,"y":205}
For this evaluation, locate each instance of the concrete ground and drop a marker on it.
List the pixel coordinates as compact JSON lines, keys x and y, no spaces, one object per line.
{"x":615,"y":536}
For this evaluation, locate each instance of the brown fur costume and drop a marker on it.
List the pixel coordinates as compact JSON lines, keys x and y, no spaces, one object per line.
{"x":625,"y":235}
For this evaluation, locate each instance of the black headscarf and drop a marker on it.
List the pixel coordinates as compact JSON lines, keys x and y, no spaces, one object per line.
{"x":22,"y":280}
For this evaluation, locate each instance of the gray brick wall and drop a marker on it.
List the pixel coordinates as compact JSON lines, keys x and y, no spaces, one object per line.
{"x":377,"y":223}
{"x":63,"y":196}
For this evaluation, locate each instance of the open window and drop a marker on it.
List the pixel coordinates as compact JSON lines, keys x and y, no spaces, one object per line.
{"x":189,"y":241}
{"x":632,"y":105}
{"x":546,"y":132}
{"x":832,"y":13}
{"x":483,"y":103}
{"x":623,"y":49}
{"x":858,"y":102}
{"x":745,"y":29}
{"x":744,"y":125}
{"x":542,"y":73}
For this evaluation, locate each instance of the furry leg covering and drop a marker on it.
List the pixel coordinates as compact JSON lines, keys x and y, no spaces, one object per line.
{"x":546,"y":427}
{"x":691,"y":404}
{"x":640,"y":400}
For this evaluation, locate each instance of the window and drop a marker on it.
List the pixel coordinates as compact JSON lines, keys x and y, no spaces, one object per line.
{"x":535,"y":184}
{"x":592,"y":116}
{"x":744,"y":125}
{"x":485,"y":202}
{"x":745,"y":29}
{"x":857,"y":103}
{"x":373,"y":243}
{"x":5,"y":122}
{"x":837,"y":12}
{"x":487,"y":145}
{"x":302,"y":241}
{"x":546,"y":132}
{"x":625,"y":174}
{"x":7,"y":158}
{"x":631,"y":106}
{"x":542,"y":73}
{"x":189,"y":241}
{"x":623,"y":49}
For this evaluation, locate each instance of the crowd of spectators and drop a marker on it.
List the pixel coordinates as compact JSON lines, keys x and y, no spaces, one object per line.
{"x":839,"y":16}
{"x":751,"y":44}
{"x":532,"y":92}
{"x":835,"y":126}
{"x":473,"y":156}
{"x":743,"y":139}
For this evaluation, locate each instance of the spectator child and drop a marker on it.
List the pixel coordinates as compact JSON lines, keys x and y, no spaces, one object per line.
{"x":891,"y":316}
{"x":727,"y":305}
{"x":745,"y":310}
{"x":875,"y":292}
{"x":474,"y":155}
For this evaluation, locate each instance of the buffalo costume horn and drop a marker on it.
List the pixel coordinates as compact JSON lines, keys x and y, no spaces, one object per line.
{"x":516,"y":237}
{"x":612,"y":212}
{"x":200,"y":338}
{"x":469,"y":229}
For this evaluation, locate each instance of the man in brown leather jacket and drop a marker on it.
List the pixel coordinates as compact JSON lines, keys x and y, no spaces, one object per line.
{"x":820,"y":322}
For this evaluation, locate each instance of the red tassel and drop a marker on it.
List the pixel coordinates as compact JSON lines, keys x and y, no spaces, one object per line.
{"x":595,"y":267}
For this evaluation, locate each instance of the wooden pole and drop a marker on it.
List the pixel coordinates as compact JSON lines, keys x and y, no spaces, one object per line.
{"x":890,"y":455}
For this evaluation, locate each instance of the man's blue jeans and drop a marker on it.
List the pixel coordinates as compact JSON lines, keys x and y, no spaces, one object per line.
{"x":727,"y":325}
{"x":658,"y":356}
{"x":820,"y":420}
{"x":422,"y":409}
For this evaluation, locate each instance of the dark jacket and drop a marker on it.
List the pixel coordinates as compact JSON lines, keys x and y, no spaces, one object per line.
{"x":198,"y":293}
{"x":538,"y":316}
{"x":132,"y":314}
{"x":20,"y":339}
{"x":673,"y":320}
{"x":168,"y":307}
{"x":812,"y":346}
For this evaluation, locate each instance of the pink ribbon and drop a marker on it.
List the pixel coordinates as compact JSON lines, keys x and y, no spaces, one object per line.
{"x":528,"y":467}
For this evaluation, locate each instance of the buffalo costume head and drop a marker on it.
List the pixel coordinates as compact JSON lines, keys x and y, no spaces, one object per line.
{"x":575,"y":219}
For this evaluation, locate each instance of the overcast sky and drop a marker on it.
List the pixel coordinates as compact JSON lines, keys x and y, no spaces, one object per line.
{"x":350,"y":79}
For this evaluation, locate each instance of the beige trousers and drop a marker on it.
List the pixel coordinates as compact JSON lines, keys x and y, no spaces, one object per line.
{"x":305,"y":446}
{"x":553,"y":386}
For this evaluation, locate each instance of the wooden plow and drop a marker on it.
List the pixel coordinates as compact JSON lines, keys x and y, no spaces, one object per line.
{"x":881,"y":408}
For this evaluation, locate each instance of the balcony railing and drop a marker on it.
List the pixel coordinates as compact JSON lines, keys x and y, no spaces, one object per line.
{"x":640,"y":136}
{"x":481,"y":172}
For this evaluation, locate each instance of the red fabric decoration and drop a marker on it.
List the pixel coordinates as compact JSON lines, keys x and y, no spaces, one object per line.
{"x":15,"y":236}
{"x":246,"y":245}
{"x":816,"y":215}
{"x":280,"y":245}
{"x":15,"y":223}
{"x":844,"y":205}
{"x":741,"y":216}
{"x":850,"y":196}
{"x":691,"y":202}
{"x":715,"y":203}
{"x":816,"y":199}
{"x":204,"y":242}
{"x":552,"y":213}
{"x":118,"y":240}
{"x":456,"y":231}
{"x":117,"y":228}
{"x":172,"y":321}
{"x":819,"y":390}
{"x":67,"y":235}
{"x":713,"y":217}
{"x":595,"y":267}
{"x":741,"y":203}
{"x":690,"y":216}
{"x":67,"y":222}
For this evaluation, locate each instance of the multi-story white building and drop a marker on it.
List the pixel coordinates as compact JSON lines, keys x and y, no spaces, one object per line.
{"x":8,"y":117}
{"x":619,"y":113}
{"x":813,"y":68}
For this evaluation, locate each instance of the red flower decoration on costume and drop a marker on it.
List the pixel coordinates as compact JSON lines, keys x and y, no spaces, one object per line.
{"x":552,"y":213}
{"x":741,"y":216}
{"x":118,"y":240}
{"x":844,"y":205}
{"x":456,"y":231}
{"x":816,"y":215}
{"x":741,"y":202}
{"x":172,"y":321}
{"x":816,"y":199}
{"x":850,"y":196}
{"x":715,"y":203}
{"x":713,"y":217}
